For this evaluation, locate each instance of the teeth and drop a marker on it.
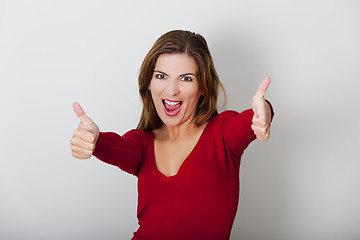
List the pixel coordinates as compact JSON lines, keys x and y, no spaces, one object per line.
{"x":171,"y":103}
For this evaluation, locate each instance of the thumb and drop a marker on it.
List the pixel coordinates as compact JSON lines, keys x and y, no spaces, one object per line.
{"x":81,"y":114}
{"x":262,"y":88}
{"x":259,"y":95}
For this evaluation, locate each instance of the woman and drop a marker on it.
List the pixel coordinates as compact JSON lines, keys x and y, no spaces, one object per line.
{"x":186,"y":156}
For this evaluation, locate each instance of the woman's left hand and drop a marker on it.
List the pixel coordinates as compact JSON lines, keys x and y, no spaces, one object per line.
{"x":261,"y":121}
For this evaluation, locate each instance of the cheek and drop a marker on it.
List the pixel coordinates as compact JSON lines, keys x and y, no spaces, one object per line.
{"x":193,"y":100}
{"x":152,"y":90}
{"x":155,"y":87}
{"x":194,"y":93}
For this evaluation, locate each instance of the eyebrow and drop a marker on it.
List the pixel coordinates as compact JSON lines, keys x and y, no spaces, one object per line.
{"x":161,"y":72}
{"x":184,"y":74}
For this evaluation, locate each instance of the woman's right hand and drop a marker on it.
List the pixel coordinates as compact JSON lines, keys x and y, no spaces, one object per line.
{"x":85,"y":136}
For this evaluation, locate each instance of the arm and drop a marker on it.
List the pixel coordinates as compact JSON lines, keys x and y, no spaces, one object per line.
{"x":124,"y":151}
{"x":236,"y":131}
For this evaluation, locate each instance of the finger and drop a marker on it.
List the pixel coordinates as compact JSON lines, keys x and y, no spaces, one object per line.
{"x":261,"y":133}
{"x":259,"y":130}
{"x":263,"y":138}
{"x":260,"y":126}
{"x":82,"y":144}
{"x":261,"y":110}
{"x":262,"y":88}
{"x":79,"y":156}
{"x":83,"y":153}
{"x":85,"y":135}
{"x":81,"y":114}
{"x":259,"y":122}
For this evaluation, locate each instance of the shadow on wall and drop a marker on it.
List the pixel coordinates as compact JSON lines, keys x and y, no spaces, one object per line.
{"x":262,"y":208}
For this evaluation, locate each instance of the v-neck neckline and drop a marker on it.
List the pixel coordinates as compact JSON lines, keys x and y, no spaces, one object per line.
{"x":180,"y":169}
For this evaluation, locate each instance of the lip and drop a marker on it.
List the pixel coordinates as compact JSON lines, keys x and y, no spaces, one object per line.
{"x":173,"y":113}
{"x":171,"y":100}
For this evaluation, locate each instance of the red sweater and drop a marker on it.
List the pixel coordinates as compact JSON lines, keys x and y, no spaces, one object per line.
{"x":201,"y":200}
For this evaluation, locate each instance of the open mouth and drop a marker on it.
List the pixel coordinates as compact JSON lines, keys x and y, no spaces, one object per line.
{"x":171,"y":107}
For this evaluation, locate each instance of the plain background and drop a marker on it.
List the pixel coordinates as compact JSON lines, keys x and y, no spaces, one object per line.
{"x":302,"y":184}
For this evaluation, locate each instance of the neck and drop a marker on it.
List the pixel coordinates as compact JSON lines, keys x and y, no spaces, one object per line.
{"x":174,"y":133}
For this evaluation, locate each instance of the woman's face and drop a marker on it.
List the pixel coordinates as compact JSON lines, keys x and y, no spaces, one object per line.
{"x":175,"y":89}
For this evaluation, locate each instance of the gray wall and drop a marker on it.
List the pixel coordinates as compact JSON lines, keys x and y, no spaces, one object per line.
{"x":302,"y":184}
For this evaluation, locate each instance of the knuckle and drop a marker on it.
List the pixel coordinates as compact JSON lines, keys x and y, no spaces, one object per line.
{"x":76,"y":132}
{"x":93,"y":137}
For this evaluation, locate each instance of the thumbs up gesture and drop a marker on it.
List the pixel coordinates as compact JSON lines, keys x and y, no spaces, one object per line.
{"x":85,"y":136}
{"x":261,"y":121}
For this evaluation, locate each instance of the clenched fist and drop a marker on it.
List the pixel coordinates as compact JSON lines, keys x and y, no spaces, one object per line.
{"x":261,"y":121}
{"x":85,"y":136}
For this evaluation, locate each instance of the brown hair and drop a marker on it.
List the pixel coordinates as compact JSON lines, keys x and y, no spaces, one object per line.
{"x":194,"y":45}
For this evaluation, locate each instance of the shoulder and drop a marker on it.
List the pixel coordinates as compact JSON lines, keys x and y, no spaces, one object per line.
{"x":231,"y":121}
{"x":136,"y":132}
{"x":138,"y":135}
{"x":231,"y":114}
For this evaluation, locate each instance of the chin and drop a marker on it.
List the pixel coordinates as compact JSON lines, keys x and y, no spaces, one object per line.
{"x":171,"y":121}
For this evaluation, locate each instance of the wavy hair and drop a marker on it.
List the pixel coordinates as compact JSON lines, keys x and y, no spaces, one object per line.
{"x":194,"y":45}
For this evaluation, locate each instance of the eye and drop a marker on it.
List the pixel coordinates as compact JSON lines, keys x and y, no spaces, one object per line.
{"x":186,"y":79}
{"x":160,"y":76}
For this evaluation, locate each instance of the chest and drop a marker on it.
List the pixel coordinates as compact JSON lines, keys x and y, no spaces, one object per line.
{"x":205,"y":184}
{"x":170,"y":155}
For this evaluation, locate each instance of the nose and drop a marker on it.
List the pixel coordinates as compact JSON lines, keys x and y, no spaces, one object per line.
{"x":173,"y":87}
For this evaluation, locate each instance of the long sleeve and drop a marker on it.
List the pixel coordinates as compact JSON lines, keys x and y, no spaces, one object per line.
{"x":236,"y":131}
{"x":125,"y":152}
